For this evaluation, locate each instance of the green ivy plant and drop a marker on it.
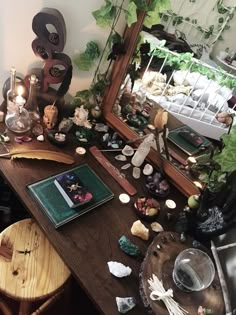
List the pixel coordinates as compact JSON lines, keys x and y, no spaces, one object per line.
{"x":222,"y":165}
{"x":108,"y":15}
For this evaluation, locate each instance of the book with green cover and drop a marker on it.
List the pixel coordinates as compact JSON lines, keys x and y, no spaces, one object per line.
{"x":176,"y":137}
{"x":54,"y":205}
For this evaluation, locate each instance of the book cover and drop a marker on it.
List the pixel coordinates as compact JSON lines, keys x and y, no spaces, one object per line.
{"x":188,"y":140}
{"x":53,"y":203}
{"x":72,"y":189}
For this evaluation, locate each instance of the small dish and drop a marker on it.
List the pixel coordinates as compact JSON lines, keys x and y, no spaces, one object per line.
{"x":57,"y":137}
{"x":147,"y":208}
{"x":157,"y":185}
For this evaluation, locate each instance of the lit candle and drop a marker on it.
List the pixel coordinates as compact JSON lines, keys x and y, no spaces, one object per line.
{"x":20,"y":99}
{"x":124,"y":198}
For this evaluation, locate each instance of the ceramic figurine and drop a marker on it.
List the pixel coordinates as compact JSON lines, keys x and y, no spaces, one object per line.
{"x":50,"y":116}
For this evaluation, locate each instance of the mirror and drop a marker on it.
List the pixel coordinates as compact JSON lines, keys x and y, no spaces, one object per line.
{"x":178,"y":178}
{"x":205,"y":115}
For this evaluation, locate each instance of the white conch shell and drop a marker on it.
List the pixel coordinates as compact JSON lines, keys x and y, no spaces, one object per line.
{"x":140,"y":230}
{"x":118,"y":269}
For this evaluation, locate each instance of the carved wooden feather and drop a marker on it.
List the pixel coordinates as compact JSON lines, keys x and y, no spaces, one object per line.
{"x":42,"y":155}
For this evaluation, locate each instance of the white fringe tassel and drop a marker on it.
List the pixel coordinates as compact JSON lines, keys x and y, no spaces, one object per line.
{"x":159,"y":294}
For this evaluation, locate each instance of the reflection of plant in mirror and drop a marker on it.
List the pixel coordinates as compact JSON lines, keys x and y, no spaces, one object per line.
{"x":184,"y":61}
{"x":108,"y":15}
{"x":217,"y":169}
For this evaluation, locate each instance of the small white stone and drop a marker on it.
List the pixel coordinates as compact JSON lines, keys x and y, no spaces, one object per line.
{"x":156,"y":227}
{"x":121,"y":157}
{"x":136,"y":172}
{"x":40,"y":138}
{"x":148,"y":169}
{"x":118,"y":269}
{"x":128,"y":150}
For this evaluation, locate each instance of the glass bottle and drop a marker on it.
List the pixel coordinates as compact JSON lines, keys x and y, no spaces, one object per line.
{"x":142,"y":151}
{"x":32,"y":105}
{"x":18,"y":121}
{"x":11,"y":93}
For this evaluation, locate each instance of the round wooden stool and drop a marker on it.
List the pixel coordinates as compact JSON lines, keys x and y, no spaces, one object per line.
{"x":30,"y":269}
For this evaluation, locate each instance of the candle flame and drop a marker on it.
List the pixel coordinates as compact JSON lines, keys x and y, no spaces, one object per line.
{"x":20,"y":90}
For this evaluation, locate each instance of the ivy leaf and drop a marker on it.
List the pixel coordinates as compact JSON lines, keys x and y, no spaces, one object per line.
{"x":141,"y":5}
{"x":131,"y":13}
{"x":105,"y":15}
{"x":81,"y":98}
{"x":226,"y":158}
{"x":84,"y":61}
{"x":163,"y":5}
{"x":152,"y":17}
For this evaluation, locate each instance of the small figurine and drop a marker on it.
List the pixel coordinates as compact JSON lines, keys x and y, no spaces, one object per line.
{"x":50,"y":116}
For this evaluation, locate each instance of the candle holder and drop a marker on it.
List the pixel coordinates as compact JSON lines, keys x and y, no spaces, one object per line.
{"x":19,"y":120}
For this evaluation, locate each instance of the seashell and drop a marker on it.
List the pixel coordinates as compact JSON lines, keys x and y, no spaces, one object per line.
{"x":20,"y":139}
{"x":118,"y":269}
{"x":140,"y":230}
{"x":156,"y":227}
{"x":148,"y":169}
{"x":40,"y":138}
{"x":127,"y":150}
{"x":121,"y":157}
{"x":125,"y":304}
{"x":136,"y":172}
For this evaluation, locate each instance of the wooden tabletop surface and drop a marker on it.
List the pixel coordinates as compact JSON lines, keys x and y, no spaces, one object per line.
{"x":90,"y":241}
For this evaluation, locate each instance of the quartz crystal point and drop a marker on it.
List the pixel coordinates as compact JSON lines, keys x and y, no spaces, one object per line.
{"x":118,"y":269}
{"x":128,"y":247}
{"x":125,"y":304}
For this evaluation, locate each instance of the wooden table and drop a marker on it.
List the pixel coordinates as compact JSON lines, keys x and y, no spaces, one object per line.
{"x":89,"y":242}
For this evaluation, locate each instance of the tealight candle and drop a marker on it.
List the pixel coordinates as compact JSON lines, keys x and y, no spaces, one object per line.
{"x":170,"y":204}
{"x":124,"y":198}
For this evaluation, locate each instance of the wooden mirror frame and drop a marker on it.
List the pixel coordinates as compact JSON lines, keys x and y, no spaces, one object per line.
{"x":120,"y":67}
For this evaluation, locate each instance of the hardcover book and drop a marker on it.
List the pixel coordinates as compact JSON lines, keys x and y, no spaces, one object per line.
{"x":53,"y":203}
{"x":188,"y":140}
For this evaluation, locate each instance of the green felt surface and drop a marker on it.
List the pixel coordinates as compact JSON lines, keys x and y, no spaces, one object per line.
{"x":183,"y":144}
{"x":53,"y":204}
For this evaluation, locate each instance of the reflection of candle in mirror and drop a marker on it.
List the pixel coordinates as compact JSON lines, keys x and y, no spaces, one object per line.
{"x":169,"y":206}
{"x":191,"y":160}
{"x":198,"y":185}
{"x":19,"y":98}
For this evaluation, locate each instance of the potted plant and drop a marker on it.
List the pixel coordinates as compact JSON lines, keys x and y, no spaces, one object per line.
{"x":217,"y":203}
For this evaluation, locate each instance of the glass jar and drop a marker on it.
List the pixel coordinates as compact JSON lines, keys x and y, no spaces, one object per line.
{"x":19,"y":120}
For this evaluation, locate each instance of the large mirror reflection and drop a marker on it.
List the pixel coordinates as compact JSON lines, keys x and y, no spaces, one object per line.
{"x":161,"y":71}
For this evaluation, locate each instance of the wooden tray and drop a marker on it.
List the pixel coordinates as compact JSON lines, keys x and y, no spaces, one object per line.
{"x":162,"y":266}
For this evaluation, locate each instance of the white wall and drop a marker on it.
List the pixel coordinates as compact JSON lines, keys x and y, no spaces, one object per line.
{"x":16,"y":35}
